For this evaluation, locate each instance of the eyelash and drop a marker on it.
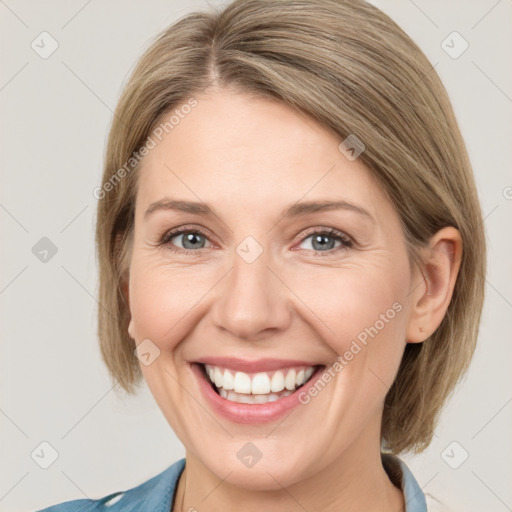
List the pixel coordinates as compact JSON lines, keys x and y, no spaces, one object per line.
{"x":346,"y":242}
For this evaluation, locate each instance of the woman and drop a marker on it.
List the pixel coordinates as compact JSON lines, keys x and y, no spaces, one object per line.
{"x":309,"y":152}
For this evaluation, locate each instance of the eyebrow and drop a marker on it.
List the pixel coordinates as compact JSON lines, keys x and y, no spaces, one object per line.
{"x":292,"y":211}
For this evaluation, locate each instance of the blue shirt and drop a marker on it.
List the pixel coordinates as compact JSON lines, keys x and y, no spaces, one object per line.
{"x":157,"y":493}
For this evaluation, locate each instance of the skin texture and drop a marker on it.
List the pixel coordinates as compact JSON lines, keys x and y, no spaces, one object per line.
{"x":250,"y":158}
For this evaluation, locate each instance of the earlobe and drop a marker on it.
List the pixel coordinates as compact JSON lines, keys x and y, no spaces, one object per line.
{"x":131,"y":326}
{"x":125,"y":290}
{"x":434,"y":287}
{"x":131,"y":329}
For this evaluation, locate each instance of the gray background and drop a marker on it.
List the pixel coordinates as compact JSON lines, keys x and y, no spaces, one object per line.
{"x":55,"y":114}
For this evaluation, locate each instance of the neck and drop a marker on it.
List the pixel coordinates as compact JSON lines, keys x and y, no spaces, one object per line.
{"x":355,"y":481}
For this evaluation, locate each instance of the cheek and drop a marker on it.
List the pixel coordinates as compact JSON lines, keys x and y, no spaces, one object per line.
{"x":161,"y":301}
{"x":366,"y":313}
{"x":361,"y":312}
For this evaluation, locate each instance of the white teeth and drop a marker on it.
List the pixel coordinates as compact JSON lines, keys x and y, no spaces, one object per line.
{"x":228,"y":381}
{"x":218,"y":377}
{"x":245,"y":399}
{"x":242,"y":383}
{"x":277,"y":383}
{"x":260,"y":399}
{"x":242,"y":398}
{"x":260,"y":384}
{"x":289,"y":381}
{"x":258,"y":387}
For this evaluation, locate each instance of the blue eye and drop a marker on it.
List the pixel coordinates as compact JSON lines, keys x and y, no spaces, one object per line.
{"x":192,"y":240}
{"x":323,"y":240}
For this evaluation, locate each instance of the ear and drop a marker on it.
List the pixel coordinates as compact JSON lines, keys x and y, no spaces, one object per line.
{"x":433,"y":287}
{"x":125,"y":287}
{"x":124,"y":284}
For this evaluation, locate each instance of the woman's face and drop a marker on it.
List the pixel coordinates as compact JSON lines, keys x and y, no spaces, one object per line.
{"x":266,"y":291}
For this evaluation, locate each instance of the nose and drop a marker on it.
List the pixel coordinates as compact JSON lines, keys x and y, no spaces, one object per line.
{"x":252,"y":303}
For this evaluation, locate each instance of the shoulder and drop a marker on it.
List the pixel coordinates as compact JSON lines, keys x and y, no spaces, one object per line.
{"x":153,"y":495}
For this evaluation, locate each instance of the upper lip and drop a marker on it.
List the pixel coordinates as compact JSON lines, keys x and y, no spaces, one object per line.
{"x":252,"y":365}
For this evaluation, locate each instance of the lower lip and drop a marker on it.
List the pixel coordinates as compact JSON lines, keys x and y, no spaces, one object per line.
{"x":250,"y":413}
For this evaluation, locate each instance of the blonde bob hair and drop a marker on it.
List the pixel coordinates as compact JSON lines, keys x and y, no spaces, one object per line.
{"x":348,"y":66}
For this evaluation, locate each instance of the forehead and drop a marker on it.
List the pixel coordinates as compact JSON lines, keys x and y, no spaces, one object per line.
{"x":252,"y":153}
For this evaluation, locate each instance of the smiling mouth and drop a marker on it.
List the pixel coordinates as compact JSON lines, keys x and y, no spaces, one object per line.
{"x":257,"y":388}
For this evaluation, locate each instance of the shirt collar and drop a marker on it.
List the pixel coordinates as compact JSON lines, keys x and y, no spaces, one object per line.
{"x":403,"y":478}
